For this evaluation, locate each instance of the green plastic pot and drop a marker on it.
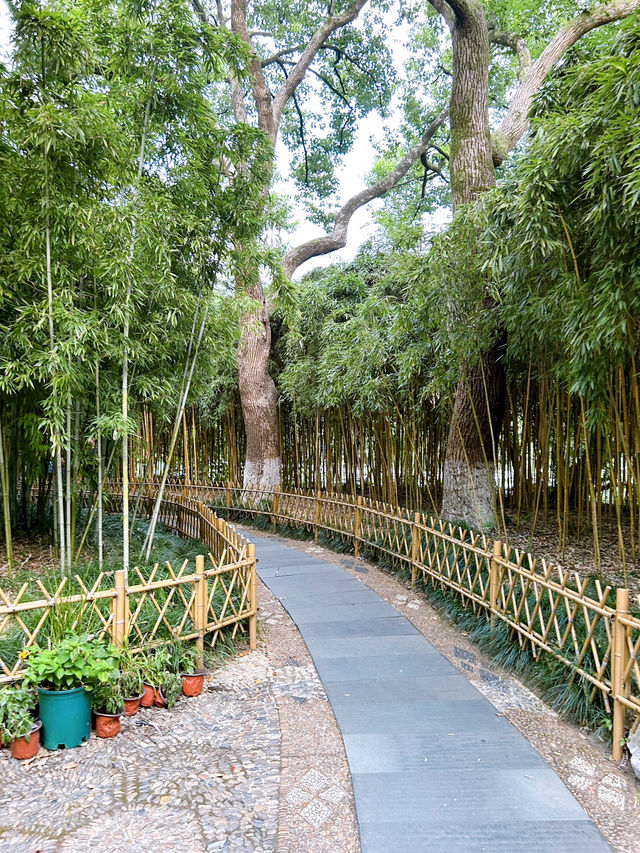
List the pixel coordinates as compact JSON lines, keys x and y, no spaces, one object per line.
{"x":66,"y":717}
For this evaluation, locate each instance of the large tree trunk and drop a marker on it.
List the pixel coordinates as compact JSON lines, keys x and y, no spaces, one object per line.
{"x":258,"y":392}
{"x":258,"y":396}
{"x":469,"y":472}
{"x":469,"y":483}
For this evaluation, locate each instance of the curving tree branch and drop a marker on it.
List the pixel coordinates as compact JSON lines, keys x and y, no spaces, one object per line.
{"x":516,"y":120}
{"x":338,"y":237}
{"x":515,"y":43}
{"x":332,"y":23}
{"x":286,"y":51}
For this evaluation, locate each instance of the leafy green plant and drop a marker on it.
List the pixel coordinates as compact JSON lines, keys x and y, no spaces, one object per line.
{"x":160,"y":668}
{"x":131,"y":682}
{"x":184,"y":658}
{"x":67,"y":617}
{"x":144,"y":666}
{"x":108,"y":698}
{"x":159,"y":663}
{"x":131,"y":673}
{"x":171,"y":688}
{"x":76,"y":661}
{"x":16,"y":713}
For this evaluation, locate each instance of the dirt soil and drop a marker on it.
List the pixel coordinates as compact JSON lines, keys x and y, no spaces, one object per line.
{"x":579,"y":551}
{"x":36,"y":552}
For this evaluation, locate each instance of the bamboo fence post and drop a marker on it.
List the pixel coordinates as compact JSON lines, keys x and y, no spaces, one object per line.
{"x":227,"y":494}
{"x":200,"y":525}
{"x":415,"y":538}
{"x":620,"y":662}
{"x":357,"y":524}
{"x":274,"y":506}
{"x":119,"y":603}
{"x":219,"y":538}
{"x":200,"y":615}
{"x":316,"y":519}
{"x":253,"y":591}
{"x":494,"y":579}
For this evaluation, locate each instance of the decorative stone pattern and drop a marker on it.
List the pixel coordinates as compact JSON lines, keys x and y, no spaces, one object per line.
{"x":202,"y":777}
{"x":317,"y":809}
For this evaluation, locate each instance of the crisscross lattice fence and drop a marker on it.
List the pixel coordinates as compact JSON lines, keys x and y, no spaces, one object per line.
{"x":586,"y":626}
{"x":155,"y":607}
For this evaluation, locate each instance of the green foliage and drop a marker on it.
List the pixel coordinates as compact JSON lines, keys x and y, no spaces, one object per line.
{"x":184,"y":658}
{"x":16,"y":712}
{"x":549,"y":257}
{"x":171,"y":688}
{"x":154,"y":664}
{"x":559,"y":234}
{"x":76,"y":661}
{"x":108,"y":698}
{"x":131,"y":681}
{"x":117,"y":167}
{"x":358,"y":341}
{"x":159,"y":669}
{"x":351,"y":76}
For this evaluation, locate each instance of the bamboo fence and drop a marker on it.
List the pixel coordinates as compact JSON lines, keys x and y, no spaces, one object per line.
{"x":203,"y":600}
{"x":586,"y":626}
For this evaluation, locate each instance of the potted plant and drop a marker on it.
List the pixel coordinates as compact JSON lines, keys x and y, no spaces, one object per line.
{"x":19,"y":728}
{"x":131,"y":681}
{"x":169,"y":690}
{"x":108,"y":706}
{"x":148,"y":673}
{"x":162,"y":686}
{"x":65,"y":675}
{"x":187,"y":666}
{"x":131,"y":687}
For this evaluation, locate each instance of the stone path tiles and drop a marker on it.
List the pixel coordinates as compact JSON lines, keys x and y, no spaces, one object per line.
{"x":434,"y":766}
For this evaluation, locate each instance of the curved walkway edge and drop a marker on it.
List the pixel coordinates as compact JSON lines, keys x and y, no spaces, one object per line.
{"x":434,"y":766}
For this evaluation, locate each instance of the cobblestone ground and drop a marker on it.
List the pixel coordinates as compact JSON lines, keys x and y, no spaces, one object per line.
{"x":255,"y":764}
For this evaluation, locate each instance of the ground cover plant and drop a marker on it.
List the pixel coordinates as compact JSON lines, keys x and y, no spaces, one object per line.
{"x":84,"y":617}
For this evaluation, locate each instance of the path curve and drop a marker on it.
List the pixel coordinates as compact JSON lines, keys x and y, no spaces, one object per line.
{"x":434,"y":766}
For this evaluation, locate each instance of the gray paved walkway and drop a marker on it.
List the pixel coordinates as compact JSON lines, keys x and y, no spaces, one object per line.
{"x":434,"y":766}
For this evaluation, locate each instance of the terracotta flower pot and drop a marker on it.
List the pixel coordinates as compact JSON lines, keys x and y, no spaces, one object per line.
{"x":23,"y":748}
{"x":160,"y":701}
{"x":148,"y":696}
{"x":193,"y":682}
{"x":107,"y":725}
{"x":131,"y":705}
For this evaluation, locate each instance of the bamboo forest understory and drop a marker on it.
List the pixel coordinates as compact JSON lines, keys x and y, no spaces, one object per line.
{"x":161,"y":321}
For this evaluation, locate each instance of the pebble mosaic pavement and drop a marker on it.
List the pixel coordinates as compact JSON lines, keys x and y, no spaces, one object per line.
{"x":253,"y":765}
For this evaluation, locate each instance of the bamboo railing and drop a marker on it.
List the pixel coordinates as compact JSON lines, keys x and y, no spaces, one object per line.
{"x":164,"y":605}
{"x":577,"y":620}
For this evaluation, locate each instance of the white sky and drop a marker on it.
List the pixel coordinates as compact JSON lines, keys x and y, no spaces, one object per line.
{"x":355,"y":167}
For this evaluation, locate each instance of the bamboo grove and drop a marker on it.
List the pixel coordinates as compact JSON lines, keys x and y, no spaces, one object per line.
{"x":367,"y":355}
{"x":127,"y":201}
{"x":122,"y":199}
